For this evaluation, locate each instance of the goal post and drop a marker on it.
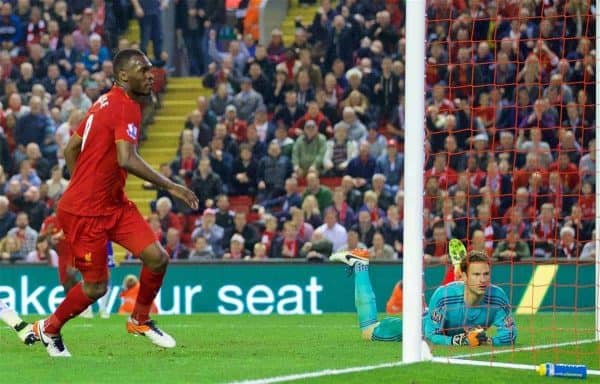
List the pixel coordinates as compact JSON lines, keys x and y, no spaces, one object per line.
{"x":554,"y":293}
{"x":597,"y":129}
{"x":414,"y":161}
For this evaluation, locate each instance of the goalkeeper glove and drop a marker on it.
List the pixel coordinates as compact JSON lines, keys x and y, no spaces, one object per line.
{"x":473,"y":338}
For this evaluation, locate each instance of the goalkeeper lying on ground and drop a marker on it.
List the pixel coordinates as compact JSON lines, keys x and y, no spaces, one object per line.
{"x":459,"y":313}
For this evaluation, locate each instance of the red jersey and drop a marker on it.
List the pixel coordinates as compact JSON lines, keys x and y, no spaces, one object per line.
{"x":97,"y":184}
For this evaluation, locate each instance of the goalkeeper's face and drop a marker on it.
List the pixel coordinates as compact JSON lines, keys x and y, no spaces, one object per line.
{"x":477,"y":278}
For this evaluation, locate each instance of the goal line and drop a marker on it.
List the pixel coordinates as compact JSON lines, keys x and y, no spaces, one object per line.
{"x":456,"y":359}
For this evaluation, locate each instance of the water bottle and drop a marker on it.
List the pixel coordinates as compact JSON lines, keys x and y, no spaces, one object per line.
{"x":562,"y":370}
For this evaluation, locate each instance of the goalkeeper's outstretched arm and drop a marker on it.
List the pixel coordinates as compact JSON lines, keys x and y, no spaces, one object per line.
{"x":503,"y":321}
{"x":433,"y":326}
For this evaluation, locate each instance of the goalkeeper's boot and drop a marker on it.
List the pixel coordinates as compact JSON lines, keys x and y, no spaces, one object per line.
{"x":152,"y":332}
{"x":351,"y":257}
{"x":53,"y":343}
{"x":457,"y":251}
{"x":25,"y":333}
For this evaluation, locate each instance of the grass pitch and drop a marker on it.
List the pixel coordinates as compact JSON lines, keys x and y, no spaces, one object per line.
{"x":215,"y":348}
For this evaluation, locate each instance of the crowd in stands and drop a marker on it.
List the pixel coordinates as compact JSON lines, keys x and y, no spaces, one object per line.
{"x":55,"y":61}
{"x":298,"y":151}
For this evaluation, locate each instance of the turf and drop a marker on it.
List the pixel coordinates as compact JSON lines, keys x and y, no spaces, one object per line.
{"x":214,"y":348}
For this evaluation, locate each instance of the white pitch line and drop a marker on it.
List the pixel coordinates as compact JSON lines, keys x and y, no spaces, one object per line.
{"x":523,"y":349}
{"x":325,"y":372}
{"x":458,"y":359}
{"x":493,"y":364}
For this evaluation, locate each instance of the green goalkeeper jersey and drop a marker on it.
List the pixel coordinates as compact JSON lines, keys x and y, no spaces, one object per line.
{"x":449,"y":315}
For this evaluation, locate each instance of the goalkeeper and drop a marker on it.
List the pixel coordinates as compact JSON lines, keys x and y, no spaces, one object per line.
{"x":459,"y":313}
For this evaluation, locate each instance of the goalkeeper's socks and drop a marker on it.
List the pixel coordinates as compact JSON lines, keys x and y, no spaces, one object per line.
{"x":364,"y":297}
{"x":388,"y":329}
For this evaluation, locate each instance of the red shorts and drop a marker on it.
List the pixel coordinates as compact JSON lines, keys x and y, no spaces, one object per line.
{"x":88,"y":236}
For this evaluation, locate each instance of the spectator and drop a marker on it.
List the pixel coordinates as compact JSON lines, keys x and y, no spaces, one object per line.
{"x":312,"y":114}
{"x":309,"y":150}
{"x":484,"y":223}
{"x":35,"y":209}
{"x":77,"y":100}
{"x":244,"y":173}
{"x":290,"y":111}
{"x":305,"y":230}
{"x":241,"y":227}
{"x":236,"y":250}
{"x":43,"y":253}
{"x":321,"y":193}
{"x":513,"y":249}
{"x":25,"y":178}
{"x":282,"y":205}
{"x":365,"y":228}
{"x":391,"y":165}
{"x":380,"y":250}
{"x":362,"y":167}
{"x":588,"y":253}
{"x":39,"y":163}
{"x":206,"y":184}
{"x":264,"y":128}
{"x":11,"y":31}
{"x":567,"y":247}
{"x":185,"y":164}
{"x":270,"y":232}
{"x":272,"y":171}
{"x":96,"y":55}
{"x":339,"y":151}
{"x":168,"y":219}
{"x":220,"y":100}
{"x":201,"y":250}
{"x":7,"y":217}
{"x":27,"y":236}
{"x":545,"y":232}
{"x":56,"y":185}
{"x":288,"y":245}
{"x":247,"y":101}
{"x":11,"y":249}
{"x":311,"y":211}
{"x":211,"y":232}
{"x":236,"y":127}
{"x":223,"y":216}
{"x":259,"y":252}
{"x":436,"y":251}
{"x":356,"y":129}
{"x":149,"y":17}
{"x":333,"y":231}
{"x":175,"y":249}
{"x":376,"y":141}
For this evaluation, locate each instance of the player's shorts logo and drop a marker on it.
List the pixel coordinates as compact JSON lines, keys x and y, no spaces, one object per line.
{"x":87,"y":258}
{"x":509,"y":322}
{"x":132,"y":131}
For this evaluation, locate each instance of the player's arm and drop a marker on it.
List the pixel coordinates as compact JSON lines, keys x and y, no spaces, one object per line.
{"x":71,"y":151}
{"x":434,"y":319}
{"x":504,"y":322}
{"x":130,"y":160}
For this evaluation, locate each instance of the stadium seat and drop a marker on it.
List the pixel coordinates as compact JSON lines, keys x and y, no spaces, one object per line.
{"x":240,"y":203}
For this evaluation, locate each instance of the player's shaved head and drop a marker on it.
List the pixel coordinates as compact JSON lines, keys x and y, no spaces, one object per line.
{"x":122,"y":60}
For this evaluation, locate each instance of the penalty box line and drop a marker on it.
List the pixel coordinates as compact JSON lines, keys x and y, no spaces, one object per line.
{"x":457,"y":359}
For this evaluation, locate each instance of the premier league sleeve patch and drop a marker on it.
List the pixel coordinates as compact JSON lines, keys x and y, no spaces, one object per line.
{"x":132,"y":131}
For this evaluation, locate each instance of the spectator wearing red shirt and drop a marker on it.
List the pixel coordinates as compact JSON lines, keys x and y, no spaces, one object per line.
{"x":521,"y":176}
{"x":569,"y":172}
{"x":287,"y":245}
{"x":235,"y":127}
{"x":587,"y":201}
{"x":185,"y":165}
{"x":446,"y":176}
{"x":167,"y":218}
{"x":313,"y":113}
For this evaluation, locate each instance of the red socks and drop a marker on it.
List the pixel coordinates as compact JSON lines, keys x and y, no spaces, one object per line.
{"x":150,"y":283}
{"x":75,"y":303}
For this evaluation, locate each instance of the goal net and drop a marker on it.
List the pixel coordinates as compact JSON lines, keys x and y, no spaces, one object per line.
{"x":509,"y":169}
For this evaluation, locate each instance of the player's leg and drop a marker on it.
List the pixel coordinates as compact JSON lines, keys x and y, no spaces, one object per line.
{"x":23,"y":329}
{"x":134,"y":233}
{"x":89,"y":252}
{"x":388,"y":329}
{"x":103,"y":301}
{"x":67,"y":273}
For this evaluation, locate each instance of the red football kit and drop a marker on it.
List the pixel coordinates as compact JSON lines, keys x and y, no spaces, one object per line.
{"x":94,"y":208}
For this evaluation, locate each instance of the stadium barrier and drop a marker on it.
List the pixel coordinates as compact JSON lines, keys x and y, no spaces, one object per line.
{"x":295,"y":288}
